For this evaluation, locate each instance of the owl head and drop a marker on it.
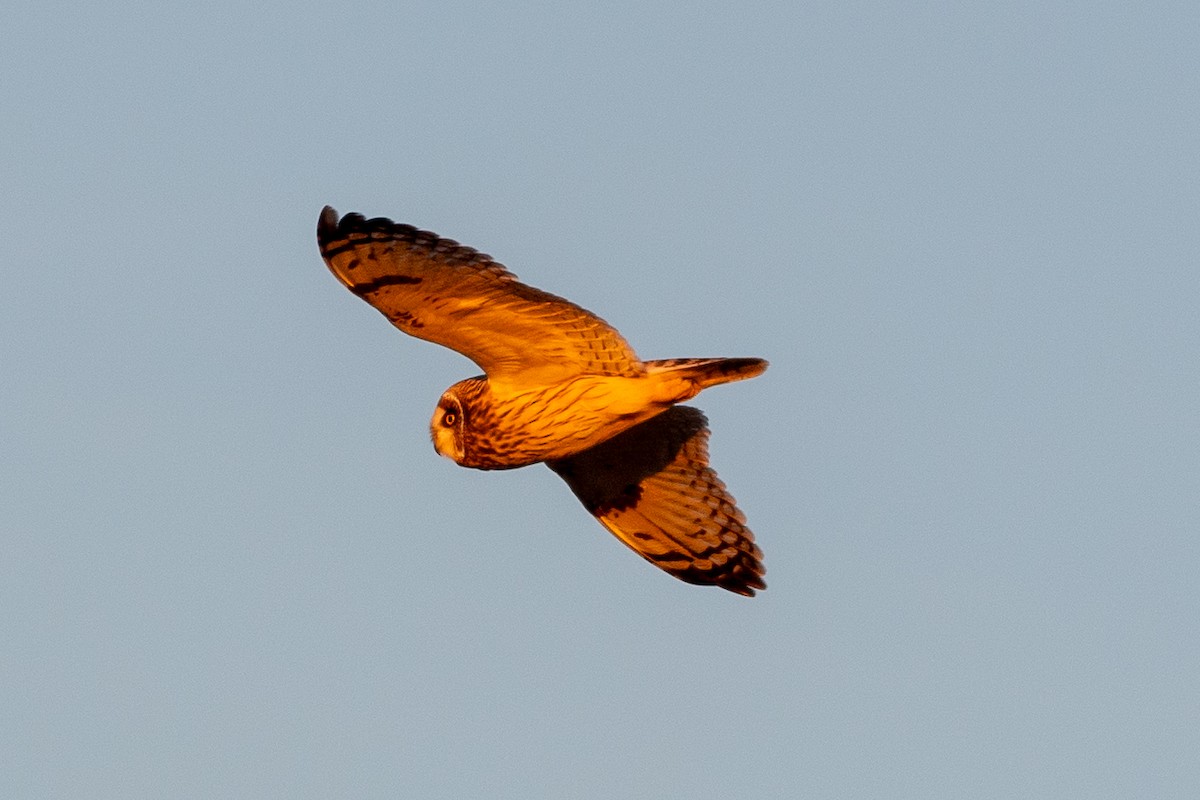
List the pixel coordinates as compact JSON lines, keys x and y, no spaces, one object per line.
{"x":455,"y":420}
{"x":447,"y":427}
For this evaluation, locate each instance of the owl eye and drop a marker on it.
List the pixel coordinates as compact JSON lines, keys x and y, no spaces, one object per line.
{"x":449,"y":418}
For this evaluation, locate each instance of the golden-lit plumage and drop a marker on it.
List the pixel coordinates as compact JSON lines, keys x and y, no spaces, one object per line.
{"x":563,"y":387}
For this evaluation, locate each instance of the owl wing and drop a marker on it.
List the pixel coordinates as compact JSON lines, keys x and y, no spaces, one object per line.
{"x":441,"y":291}
{"x":652,"y":487}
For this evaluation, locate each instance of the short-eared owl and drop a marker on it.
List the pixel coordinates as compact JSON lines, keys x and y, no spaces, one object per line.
{"x":560,"y":386}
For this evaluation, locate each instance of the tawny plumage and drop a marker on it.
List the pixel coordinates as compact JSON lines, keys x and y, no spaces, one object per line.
{"x":652,"y":487}
{"x":563,"y":387}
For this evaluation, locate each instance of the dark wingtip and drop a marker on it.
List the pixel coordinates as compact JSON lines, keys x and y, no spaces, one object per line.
{"x":331,"y":229}
{"x":744,"y":578}
{"x":742,"y":575}
{"x":327,"y":225}
{"x":750,"y":367}
{"x":745,"y":586}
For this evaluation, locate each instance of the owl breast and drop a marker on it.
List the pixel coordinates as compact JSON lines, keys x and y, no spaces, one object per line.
{"x":504,"y":430}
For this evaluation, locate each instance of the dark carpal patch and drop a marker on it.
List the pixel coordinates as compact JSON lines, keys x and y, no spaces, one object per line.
{"x":383,"y":282}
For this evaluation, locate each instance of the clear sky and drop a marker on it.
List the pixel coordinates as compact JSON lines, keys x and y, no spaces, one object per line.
{"x":965,"y":235}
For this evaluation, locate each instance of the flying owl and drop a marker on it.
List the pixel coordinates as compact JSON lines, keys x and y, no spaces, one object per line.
{"x":561,"y":386}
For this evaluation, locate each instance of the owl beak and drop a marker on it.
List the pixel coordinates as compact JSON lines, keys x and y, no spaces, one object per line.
{"x":443,"y":442}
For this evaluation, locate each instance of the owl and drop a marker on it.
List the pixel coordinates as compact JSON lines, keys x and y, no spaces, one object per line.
{"x":561,"y":387}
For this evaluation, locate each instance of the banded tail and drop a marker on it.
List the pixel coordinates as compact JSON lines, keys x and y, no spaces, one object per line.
{"x":705,"y":372}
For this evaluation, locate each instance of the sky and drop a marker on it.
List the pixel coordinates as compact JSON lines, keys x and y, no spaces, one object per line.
{"x":964,"y":235}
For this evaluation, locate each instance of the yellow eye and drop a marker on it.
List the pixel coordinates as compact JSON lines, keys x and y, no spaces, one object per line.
{"x":449,"y":418}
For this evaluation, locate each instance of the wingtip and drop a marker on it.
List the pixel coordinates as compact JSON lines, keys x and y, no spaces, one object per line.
{"x":757,"y":366}
{"x":746,"y":586}
{"x":744,"y":574}
{"x":327,"y":225}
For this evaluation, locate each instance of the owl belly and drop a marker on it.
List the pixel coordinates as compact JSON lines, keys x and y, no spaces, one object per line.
{"x":552,"y":422}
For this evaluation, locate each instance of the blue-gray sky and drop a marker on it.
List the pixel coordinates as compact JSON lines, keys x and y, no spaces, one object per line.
{"x":965,"y":236}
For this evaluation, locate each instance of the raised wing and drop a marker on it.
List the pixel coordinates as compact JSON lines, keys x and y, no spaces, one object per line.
{"x":651,"y":486}
{"x":441,"y":291}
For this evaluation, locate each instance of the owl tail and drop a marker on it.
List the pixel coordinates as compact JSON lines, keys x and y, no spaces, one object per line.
{"x":695,"y":374}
